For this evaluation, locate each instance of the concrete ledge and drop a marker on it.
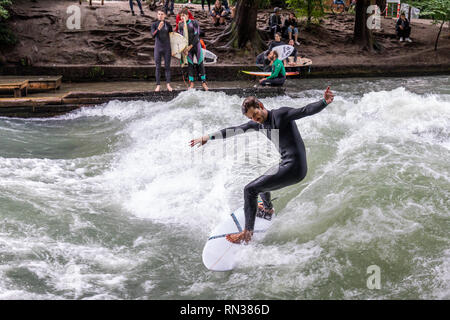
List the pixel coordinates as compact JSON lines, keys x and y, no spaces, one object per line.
{"x":51,"y":106}
{"x":83,"y":73}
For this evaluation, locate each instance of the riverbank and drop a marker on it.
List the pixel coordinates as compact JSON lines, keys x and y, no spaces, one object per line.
{"x":88,"y":73}
{"x":112,"y":41}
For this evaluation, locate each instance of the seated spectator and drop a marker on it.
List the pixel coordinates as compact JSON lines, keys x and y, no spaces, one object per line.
{"x":403,"y":28}
{"x":275,"y":43}
{"x":292,"y":57}
{"x":339,"y":3}
{"x":291,"y":26}
{"x":262,"y":60}
{"x":218,"y":13}
{"x":275,"y":21}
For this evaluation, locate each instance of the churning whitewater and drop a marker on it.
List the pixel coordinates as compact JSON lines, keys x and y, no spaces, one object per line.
{"x":111,"y":203}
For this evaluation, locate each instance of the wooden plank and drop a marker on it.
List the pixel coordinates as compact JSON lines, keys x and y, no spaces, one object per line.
{"x":35,"y":82}
{"x":29,"y":102}
{"x":15,"y":87}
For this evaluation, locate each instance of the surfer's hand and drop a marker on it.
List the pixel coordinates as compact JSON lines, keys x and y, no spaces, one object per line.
{"x":260,"y":81}
{"x":200,"y":141}
{"x":328,"y":95}
{"x":237,"y":238}
{"x":161,"y":25}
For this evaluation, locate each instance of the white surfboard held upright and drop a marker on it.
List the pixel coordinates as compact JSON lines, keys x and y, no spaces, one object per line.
{"x":219,"y":254}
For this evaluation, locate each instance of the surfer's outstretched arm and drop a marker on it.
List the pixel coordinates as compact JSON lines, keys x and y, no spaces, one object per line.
{"x":308,"y":110}
{"x":226,"y":133}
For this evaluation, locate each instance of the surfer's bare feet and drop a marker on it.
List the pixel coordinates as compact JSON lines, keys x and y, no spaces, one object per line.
{"x":191,"y":85}
{"x":205,"y":86}
{"x":169,"y":87}
{"x":158,"y":88}
{"x":237,"y":238}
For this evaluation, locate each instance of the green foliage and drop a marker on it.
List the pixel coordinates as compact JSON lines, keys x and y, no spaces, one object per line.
{"x":312,"y":9}
{"x":438,"y":10}
{"x":96,"y":73}
{"x":4,"y":4}
{"x":7,"y":37}
{"x":264,"y":4}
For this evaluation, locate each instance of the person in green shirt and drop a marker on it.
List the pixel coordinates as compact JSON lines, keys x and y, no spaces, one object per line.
{"x":278,"y":75}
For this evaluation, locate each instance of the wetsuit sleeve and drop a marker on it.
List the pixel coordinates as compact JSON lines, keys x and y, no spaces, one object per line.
{"x":170,"y":27}
{"x":232,"y":131}
{"x":289,"y":114}
{"x":276,"y":71}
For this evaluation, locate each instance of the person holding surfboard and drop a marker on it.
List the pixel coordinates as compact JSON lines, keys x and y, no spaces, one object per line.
{"x":292,"y":57}
{"x":262,"y":58}
{"x":278,"y":75}
{"x":160,"y":31}
{"x":191,"y":28}
{"x":292,"y":167}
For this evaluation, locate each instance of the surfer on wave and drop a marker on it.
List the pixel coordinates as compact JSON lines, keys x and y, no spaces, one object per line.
{"x":292,"y":167}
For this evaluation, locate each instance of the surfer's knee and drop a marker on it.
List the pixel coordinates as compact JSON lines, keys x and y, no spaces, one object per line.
{"x":300,"y":173}
{"x":250,"y":190}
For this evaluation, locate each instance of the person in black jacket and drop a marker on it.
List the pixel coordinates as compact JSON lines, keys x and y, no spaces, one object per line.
{"x":403,"y":28}
{"x":275,"y":21}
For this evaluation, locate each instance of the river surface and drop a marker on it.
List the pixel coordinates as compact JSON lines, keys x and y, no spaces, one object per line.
{"x":110,"y":202}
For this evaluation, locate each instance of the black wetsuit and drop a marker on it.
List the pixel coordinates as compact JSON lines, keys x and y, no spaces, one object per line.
{"x":162,"y":48}
{"x":292,"y":167}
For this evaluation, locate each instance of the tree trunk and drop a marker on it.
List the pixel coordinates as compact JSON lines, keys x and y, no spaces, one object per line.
{"x":242,"y":32}
{"x":362,"y":34}
{"x":309,"y":11}
{"x":439,"y":34}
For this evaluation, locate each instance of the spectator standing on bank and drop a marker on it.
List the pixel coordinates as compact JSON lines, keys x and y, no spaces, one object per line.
{"x":139,"y":5}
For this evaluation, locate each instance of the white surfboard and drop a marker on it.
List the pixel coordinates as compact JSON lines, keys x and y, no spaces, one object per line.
{"x":221,"y":255}
{"x":177,"y":44}
{"x":209,"y":57}
{"x":283,"y":51}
